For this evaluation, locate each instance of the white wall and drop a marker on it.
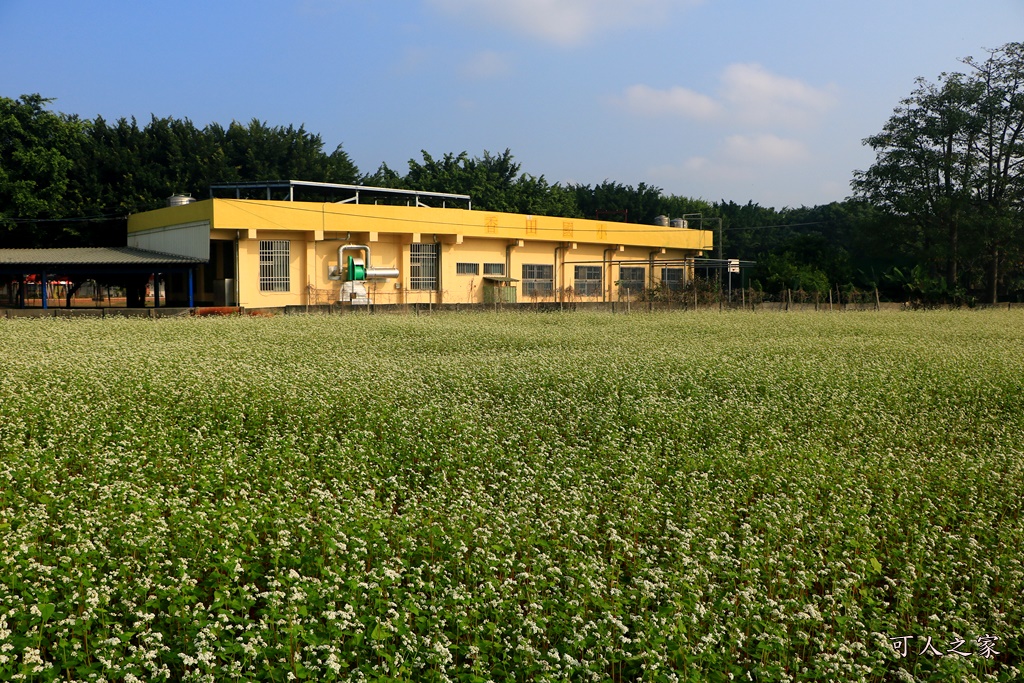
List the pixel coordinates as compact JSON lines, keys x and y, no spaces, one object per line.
{"x":186,"y":239}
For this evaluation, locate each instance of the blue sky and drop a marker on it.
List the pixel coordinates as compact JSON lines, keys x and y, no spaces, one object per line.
{"x":717,"y":99}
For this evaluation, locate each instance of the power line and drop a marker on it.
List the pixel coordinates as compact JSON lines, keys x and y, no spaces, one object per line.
{"x":763,"y":227}
{"x":81,"y":219}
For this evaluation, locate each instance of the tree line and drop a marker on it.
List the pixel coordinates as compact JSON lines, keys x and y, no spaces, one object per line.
{"x":949,"y":173}
{"x":936,"y":219}
{"x":71,"y":181}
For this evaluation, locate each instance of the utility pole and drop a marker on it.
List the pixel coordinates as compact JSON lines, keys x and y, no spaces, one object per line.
{"x":721,"y":258}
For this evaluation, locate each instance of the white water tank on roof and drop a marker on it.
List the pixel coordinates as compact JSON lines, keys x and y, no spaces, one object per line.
{"x":180,"y":199}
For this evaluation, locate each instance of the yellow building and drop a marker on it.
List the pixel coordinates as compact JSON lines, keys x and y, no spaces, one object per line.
{"x":274,"y":253}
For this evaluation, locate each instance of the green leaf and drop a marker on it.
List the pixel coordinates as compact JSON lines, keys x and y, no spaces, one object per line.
{"x":46,"y":609}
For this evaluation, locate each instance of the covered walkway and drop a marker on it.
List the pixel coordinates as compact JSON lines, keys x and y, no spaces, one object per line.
{"x":128,"y":268}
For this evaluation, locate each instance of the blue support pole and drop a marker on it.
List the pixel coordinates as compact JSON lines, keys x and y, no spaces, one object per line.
{"x":191,"y":290}
{"x":44,"y":290}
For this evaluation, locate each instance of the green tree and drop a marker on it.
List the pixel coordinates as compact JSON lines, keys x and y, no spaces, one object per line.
{"x":999,"y":183}
{"x":777,"y":272}
{"x":925,"y":165}
{"x":676,"y":206}
{"x":129,"y":169}
{"x":535,"y":195}
{"x":949,"y":165}
{"x":493,"y":181}
{"x":38,"y":150}
{"x":257,"y":151}
{"x":95,"y":173}
{"x":488,"y":180}
{"x":750,"y":229}
{"x":110,"y":179}
{"x":384,"y":176}
{"x":126,"y":168}
{"x":640,"y":204}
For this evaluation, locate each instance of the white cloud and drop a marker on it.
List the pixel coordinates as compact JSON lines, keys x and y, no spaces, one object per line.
{"x":755,"y":104}
{"x":719,"y":177}
{"x":697,"y":171}
{"x":755,"y":95}
{"x":563,"y":22}
{"x":764,"y":149}
{"x":486,"y":65}
{"x":739,"y":159}
{"x":645,"y":100}
{"x":748,"y":94}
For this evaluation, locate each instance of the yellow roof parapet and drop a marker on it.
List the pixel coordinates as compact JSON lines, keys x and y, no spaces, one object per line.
{"x":452,"y":224}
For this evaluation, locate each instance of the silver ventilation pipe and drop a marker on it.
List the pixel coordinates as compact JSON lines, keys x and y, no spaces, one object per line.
{"x":371,"y":273}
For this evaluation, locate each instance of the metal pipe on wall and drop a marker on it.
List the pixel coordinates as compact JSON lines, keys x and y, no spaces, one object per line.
{"x":508,"y":258}
{"x":238,"y":268}
{"x":440,"y":271}
{"x":554,"y":275}
{"x":651,"y":265}
{"x":605,"y":284}
{"x":371,"y":273}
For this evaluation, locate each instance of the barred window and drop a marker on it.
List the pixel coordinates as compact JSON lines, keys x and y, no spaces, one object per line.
{"x":494,"y":269}
{"x":423,"y":261}
{"x":632,"y":280}
{"x":467,"y":268}
{"x":538,"y":280}
{"x":672,"y":279}
{"x":275,"y":263}
{"x":588,"y":280}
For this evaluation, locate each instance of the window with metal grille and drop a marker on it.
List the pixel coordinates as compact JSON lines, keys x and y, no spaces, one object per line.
{"x":494,"y":269}
{"x":538,"y":280}
{"x":423,"y":261}
{"x":467,"y":268}
{"x":587,"y":280}
{"x":275,"y":261}
{"x":632,"y":280}
{"x":672,"y":279}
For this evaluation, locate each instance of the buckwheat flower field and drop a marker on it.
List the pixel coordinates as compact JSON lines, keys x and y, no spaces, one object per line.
{"x":510,"y":497}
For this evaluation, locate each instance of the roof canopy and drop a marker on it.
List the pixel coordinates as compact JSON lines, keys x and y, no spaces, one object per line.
{"x":339,"y":193}
{"x":91,"y":259}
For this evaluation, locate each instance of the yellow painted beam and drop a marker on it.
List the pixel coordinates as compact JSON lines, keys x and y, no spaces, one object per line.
{"x":258,"y":215}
